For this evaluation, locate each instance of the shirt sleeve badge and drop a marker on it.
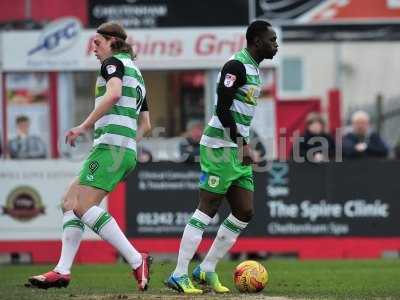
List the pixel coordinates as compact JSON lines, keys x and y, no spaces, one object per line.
{"x":111,"y":69}
{"x":229,"y":80}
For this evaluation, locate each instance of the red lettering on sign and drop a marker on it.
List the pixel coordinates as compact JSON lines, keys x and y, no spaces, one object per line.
{"x":90,"y":46}
{"x":209,"y":44}
{"x":147,"y":46}
{"x":205,"y":44}
{"x":156,"y":47}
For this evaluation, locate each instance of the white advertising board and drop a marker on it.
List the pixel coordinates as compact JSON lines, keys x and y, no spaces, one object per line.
{"x":64,"y":46}
{"x":31,"y":192}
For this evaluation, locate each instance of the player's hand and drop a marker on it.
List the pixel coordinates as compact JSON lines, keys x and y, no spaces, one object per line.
{"x":73,"y":134}
{"x":248,"y":156}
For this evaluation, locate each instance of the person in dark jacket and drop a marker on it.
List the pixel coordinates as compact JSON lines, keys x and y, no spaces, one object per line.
{"x":315,"y":145}
{"x":397,"y":150}
{"x":362,"y":142}
{"x":189,"y":147}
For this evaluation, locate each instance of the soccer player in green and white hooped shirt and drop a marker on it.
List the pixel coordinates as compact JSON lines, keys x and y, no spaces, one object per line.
{"x":120,"y":119}
{"x":224,"y":173}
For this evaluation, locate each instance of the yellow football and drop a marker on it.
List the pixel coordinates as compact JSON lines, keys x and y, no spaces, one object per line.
{"x":250,"y":277}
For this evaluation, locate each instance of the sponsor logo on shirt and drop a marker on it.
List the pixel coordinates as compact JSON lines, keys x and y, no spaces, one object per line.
{"x":229,"y":80}
{"x":251,"y":96}
{"x":111,"y":69}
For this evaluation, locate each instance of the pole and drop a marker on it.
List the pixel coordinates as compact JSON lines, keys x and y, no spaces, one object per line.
{"x":252,"y":10}
{"x":379,"y":113}
{"x":338,"y":57}
{"x":28,"y":9}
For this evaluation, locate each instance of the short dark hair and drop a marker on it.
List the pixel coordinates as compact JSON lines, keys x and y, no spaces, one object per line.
{"x":255,"y":29}
{"x":21,"y":119}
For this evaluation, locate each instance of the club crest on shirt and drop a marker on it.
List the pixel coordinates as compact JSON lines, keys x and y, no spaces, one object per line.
{"x":229,"y":80}
{"x":213,"y":181}
{"x":111,"y":69}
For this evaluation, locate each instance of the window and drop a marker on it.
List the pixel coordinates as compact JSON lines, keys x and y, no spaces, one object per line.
{"x":393,"y":3}
{"x":292,"y":74}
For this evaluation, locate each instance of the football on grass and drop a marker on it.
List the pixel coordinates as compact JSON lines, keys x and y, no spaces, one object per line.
{"x":250,"y":277}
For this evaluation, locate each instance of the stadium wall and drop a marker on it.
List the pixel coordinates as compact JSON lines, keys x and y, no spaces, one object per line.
{"x":360,"y":70}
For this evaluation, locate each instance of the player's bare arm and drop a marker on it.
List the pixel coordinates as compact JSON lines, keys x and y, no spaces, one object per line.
{"x":113,"y":93}
{"x":144,"y":125}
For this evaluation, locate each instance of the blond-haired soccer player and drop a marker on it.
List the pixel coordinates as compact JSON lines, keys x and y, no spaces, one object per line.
{"x":120,"y":118}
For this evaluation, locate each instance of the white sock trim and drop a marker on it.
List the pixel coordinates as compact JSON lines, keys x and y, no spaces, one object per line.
{"x":227,"y":235}
{"x":237,"y":222}
{"x":105,"y":225}
{"x":69,"y":215}
{"x":203,"y":217}
{"x":96,"y":218}
{"x":73,"y":229}
{"x":191,"y":238}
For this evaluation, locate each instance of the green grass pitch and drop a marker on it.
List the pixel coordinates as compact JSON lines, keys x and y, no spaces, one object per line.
{"x":289,"y":279}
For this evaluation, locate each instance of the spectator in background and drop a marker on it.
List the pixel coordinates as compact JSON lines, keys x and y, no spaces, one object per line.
{"x":259,"y":151}
{"x":189,"y":148}
{"x":144,"y":155}
{"x":315,"y":145}
{"x":25,"y":146}
{"x":362,"y":142}
{"x":397,"y":150}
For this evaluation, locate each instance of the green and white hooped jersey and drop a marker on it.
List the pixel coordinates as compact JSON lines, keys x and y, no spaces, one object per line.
{"x":118,"y":126}
{"x":242,"y":109}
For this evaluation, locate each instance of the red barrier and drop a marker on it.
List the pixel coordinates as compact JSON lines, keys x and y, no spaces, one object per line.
{"x":49,"y":251}
{"x":305,"y":248}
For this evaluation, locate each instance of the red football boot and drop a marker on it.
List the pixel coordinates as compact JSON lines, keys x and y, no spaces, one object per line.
{"x":49,"y":280}
{"x":142,"y":273}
